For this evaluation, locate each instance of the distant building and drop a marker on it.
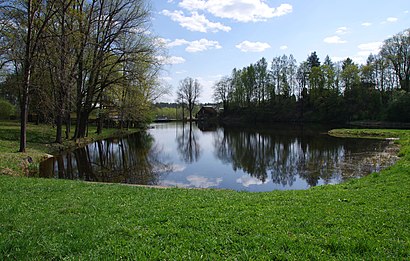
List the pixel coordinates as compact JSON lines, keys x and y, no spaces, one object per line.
{"x":206,"y":113}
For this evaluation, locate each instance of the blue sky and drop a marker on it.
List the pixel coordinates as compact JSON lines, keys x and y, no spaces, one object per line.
{"x":206,"y":39}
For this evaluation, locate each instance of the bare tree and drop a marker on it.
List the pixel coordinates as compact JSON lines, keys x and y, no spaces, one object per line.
{"x":188,"y":92}
{"x":223,"y":91}
{"x":397,"y":50}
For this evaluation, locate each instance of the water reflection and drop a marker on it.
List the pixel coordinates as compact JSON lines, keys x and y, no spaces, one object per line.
{"x":134,"y":160}
{"x":188,"y":145}
{"x":285,"y":154}
{"x":254,"y":159}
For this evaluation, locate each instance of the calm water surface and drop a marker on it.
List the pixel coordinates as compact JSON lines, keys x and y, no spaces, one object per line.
{"x":277,"y":157}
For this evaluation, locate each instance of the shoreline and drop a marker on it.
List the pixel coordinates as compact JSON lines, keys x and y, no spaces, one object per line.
{"x":40,"y":146}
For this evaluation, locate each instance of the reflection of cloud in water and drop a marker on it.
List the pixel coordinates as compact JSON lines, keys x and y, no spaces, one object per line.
{"x":203,"y":182}
{"x":194,"y":181}
{"x":178,"y":167}
{"x":172,"y":183}
{"x":247,"y":180}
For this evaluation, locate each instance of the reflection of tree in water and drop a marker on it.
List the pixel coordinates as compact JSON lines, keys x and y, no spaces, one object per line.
{"x":287,"y":154}
{"x":187,"y":144}
{"x":132,"y":160}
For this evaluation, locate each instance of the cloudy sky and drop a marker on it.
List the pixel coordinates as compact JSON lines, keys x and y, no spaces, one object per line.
{"x":206,"y":39}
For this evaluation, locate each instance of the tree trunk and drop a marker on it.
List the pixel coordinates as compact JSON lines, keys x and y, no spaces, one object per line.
{"x":24,"y":113}
{"x":78,"y":132}
{"x":100,"y":121}
{"x":26,"y":81}
{"x":81,"y":126}
{"x":59,"y":129}
{"x":67,"y":124}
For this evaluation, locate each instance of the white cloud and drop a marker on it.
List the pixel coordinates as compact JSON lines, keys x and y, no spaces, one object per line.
{"x":239,"y":10}
{"x":193,"y":4}
{"x":161,"y":41}
{"x":369,"y":48}
{"x":247,"y":46}
{"x":202,"y":45}
{"x":334,"y":40}
{"x":392,"y":19}
{"x":170,"y":60}
{"x":366,"y":24}
{"x":177,"y":42}
{"x":283,"y":47}
{"x":196,"y":46}
{"x":364,"y":51}
{"x":195,"y":22}
{"x":342,"y":30}
{"x":247,"y":181}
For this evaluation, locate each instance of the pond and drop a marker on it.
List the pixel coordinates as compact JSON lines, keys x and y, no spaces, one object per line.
{"x":277,"y":157}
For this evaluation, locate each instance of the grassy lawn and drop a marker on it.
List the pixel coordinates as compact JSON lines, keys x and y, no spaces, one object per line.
{"x":363,"y":219}
{"x":40,"y":142}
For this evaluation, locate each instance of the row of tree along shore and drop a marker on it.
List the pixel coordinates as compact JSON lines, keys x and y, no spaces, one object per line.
{"x":323,"y":92}
{"x":340,"y":92}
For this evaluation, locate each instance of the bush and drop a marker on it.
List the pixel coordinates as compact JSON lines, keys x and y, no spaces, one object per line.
{"x":6,"y":109}
{"x":399,"y":107}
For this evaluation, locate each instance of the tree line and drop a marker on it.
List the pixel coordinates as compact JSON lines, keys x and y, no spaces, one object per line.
{"x":59,"y":57}
{"x":282,"y":90}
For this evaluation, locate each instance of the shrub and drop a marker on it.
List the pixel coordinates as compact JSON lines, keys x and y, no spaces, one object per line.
{"x":6,"y":109}
{"x":399,"y":107}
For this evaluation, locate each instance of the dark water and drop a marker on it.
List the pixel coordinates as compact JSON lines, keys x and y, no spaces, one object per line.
{"x":253,"y":159}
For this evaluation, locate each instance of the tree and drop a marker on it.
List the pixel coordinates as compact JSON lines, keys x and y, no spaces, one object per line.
{"x":51,"y":47}
{"x":313,"y":60}
{"x":222,"y":91}
{"x":237,"y":84}
{"x":350,"y":74}
{"x":249,"y":79}
{"x":397,"y":51}
{"x":302,"y":78}
{"x":262,"y":80}
{"x":59,"y":62}
{"x":26,"y":23}
{"x":188,"y":93}
{"x":101,"y":53}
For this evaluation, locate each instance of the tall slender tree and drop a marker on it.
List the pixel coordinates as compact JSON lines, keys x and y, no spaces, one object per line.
{"x":188,"y":92}
{"x":27,"y":22}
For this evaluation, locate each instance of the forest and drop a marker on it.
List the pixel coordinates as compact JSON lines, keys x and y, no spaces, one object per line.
{"x":315,"y":91}
{"x":69,"y":61}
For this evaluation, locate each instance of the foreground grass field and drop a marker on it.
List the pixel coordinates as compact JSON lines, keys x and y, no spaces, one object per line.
{"x":364,"y":219}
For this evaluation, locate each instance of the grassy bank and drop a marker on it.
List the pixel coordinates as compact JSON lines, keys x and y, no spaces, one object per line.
{"x":367,"y":219}
{"x":40,"y":143}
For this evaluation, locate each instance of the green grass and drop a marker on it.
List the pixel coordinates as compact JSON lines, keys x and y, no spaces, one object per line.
{"x":363,"y":219}
{"x":40,"y":143}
